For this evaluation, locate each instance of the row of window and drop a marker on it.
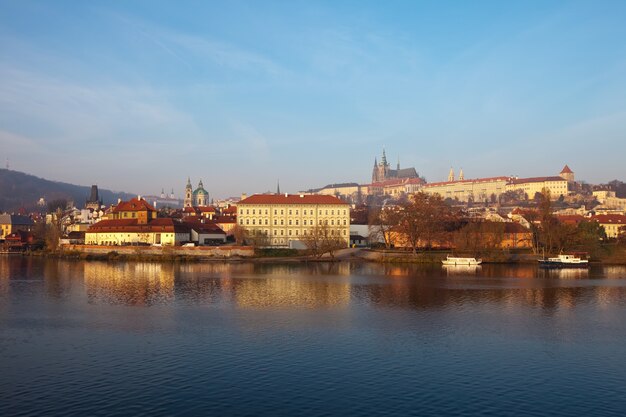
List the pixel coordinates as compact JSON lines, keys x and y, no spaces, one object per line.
{"x":290,"y":212}
{"x":310,"y":222}
{"x":294,"y":233}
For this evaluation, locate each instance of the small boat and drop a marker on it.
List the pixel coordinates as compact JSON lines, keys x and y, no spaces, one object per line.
{"x":564,"y":261}
{"x":453,"y":260}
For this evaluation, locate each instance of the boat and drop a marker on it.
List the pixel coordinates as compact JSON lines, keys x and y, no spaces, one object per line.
{"x":454,"y":260}
{"x":564,"y":261}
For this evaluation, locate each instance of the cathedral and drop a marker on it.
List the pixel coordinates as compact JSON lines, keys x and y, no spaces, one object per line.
{"x":196,"y":198}
{"x":382,"y":171}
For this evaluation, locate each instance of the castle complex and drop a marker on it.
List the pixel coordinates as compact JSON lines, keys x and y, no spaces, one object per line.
{"x":382,"y":171}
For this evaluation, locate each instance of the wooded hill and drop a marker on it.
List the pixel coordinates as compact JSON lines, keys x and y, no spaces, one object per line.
{"x":18,"y":189}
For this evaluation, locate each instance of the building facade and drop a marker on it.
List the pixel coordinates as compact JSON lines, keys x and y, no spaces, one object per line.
{"x":195,"y":198}
{"x":557,"y":186}
{"x":479,"y":190}
{"x":282,"y":220}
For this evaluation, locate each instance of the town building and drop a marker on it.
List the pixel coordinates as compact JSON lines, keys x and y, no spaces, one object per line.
{"x":135,"y":222}
{"x":12,"y":223}
{"x":613,"y":224}
{"x":94,"y":202}
{"x":285,"y":220}
{"x":567,"y":174}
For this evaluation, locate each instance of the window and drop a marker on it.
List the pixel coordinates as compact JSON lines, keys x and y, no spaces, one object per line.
{"x":289,"y":232}
{"x":282,"y":232}
{"x":275,"y":222}
{"x":296,"y":212}
{"x":332,"y":222}
{"x":282,"y":222}
{"x":282,"y":212}
{"x":266,"y":212}
{"x":290,"y":212}
{"x":253,"y":221}
{"x":275,"y":212}
{"x":296,"y":233}
{"x":297,"y":222}
{"x":345,"y":222}
{"x":289,"y":222}
{"x":247,"y":221}
{"x":332,"y":212}
{"x":247,"y":211}
{"x":304,"y":222}
{"x":327,"y":212}
{"x":274,"y":232}
{"x":253,"y":211}
{"x":266,"y":221}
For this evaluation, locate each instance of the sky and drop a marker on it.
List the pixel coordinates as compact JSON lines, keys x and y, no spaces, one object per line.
{"x":138,"y":96}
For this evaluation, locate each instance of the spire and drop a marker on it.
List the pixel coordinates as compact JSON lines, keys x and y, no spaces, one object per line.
{"x":398,"y":162}
{"x":278,"y":186}
{"x":384,"y":160}
{"x":188,"y":183}
{"x":461,"y":177}
{"x":375,"y":162}
{"x":200,"y":184}
{"x":451,"y":174}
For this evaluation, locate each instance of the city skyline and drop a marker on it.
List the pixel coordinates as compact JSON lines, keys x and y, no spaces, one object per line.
{"x":139,"y":97}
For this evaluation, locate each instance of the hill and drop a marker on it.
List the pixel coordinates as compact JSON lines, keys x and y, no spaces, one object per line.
{"x":18,"y":189}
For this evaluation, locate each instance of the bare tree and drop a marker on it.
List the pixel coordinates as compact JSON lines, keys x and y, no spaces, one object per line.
{"x":323,"y":239}
{"x":381,"y":222}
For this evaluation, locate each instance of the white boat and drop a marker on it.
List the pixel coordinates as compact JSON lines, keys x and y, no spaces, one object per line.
{"x":453,"y":260}
{"x":564,"y":261}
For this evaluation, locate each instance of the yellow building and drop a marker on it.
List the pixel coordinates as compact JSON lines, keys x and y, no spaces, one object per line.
{"x":557,"y":186}
{"x":479,"y":189}
{"x":285,"y":219}
{"x":613,"y":224}
{"x":11,"y":223}
{"x":133,"y":222}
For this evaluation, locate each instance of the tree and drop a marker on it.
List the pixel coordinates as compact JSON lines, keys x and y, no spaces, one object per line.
{"x":381,"y":221}
{"x":424,"y":218}
{"x":240,"y":234}
{"x":323,"y":239}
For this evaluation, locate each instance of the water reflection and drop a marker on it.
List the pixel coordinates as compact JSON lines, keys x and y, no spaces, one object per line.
{"x":318,"y":285}
{"x":128,"y":283}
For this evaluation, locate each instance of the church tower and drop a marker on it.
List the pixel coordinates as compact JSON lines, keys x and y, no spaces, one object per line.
{"x":188,"y":194}
{"x":461,"y":176}
{"x":451,"y":175}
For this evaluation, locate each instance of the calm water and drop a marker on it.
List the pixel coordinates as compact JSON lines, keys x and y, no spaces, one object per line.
{"x":96,"y":338}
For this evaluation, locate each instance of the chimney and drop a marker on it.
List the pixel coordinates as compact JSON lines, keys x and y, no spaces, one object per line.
{"x":301,"y":195}
{"x":119,"y":200}
{"x":243,"y":196}
{"x":286,"y":194}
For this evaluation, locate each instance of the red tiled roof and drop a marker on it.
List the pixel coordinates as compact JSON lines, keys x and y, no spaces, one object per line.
{"x":571,"y":218}
{"x":225,"y":219}
{"x":535,"y":179}
{"x":134,"y":205}
{"x":476,"y":180}
{"x":291,"y":199}
{"x":206,"y":209}
{"x":566,"y":170}
{"x":610,"y":218}
{"x":131,"y":225}
{"x":231,"y":209}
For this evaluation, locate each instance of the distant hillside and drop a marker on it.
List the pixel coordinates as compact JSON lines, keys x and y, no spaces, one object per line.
{"x":18,"y":189}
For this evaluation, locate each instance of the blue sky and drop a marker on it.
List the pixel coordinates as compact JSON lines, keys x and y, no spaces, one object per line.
{"x":137,"y":96}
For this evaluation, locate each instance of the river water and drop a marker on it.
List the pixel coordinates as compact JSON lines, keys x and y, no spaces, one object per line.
{"x":98,"y":338}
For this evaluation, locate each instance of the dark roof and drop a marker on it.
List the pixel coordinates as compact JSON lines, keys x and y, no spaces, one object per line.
{"x":566,"y":170}
{"x":16,"y":220}
{"x":164,"y":224}
{"x":535,"y":179}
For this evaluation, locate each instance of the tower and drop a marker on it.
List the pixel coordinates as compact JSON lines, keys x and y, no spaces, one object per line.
{"x":567,"y":174}
{"x":461,"y":176}
{"x":188,"y":194}
{"x":201,"y":196}
{"x":451,"y":174}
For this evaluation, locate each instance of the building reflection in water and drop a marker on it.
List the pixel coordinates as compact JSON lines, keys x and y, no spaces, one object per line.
{"x":129,"y":283}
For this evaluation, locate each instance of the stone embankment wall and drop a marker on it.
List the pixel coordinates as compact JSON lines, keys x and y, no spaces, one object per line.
{"x":198,"y":251}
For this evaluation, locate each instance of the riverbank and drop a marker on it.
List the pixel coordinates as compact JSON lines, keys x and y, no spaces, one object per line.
{"x":610,"y":256}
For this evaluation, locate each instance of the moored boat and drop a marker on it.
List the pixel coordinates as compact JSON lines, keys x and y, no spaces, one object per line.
{"x":455,"y":260}
{"x":564,"y":261}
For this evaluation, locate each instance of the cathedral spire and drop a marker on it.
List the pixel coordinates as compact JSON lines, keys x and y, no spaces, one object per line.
{"x":451,"y":174}
{"x":461,"y":176}
{"x":375,"y":162}
{"x":278,"y":186}
{"x":384,"y":160}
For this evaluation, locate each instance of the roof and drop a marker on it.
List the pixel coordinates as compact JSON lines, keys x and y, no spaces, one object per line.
{"x":341,"y":185}
{"x":206,"y":209}
{"x":230,"y":209}
{"x":566,"y":170}
{"x":536,"y":179}
{"x":164,"y":224}
{"x":571,"y":218}
{"x":16,"y":220}
{"x":292,"y":199}
{"x":225,"y":219}
{"x":610,"y":218}
{"x":134,"y":204}
{"x":476,"y":180}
